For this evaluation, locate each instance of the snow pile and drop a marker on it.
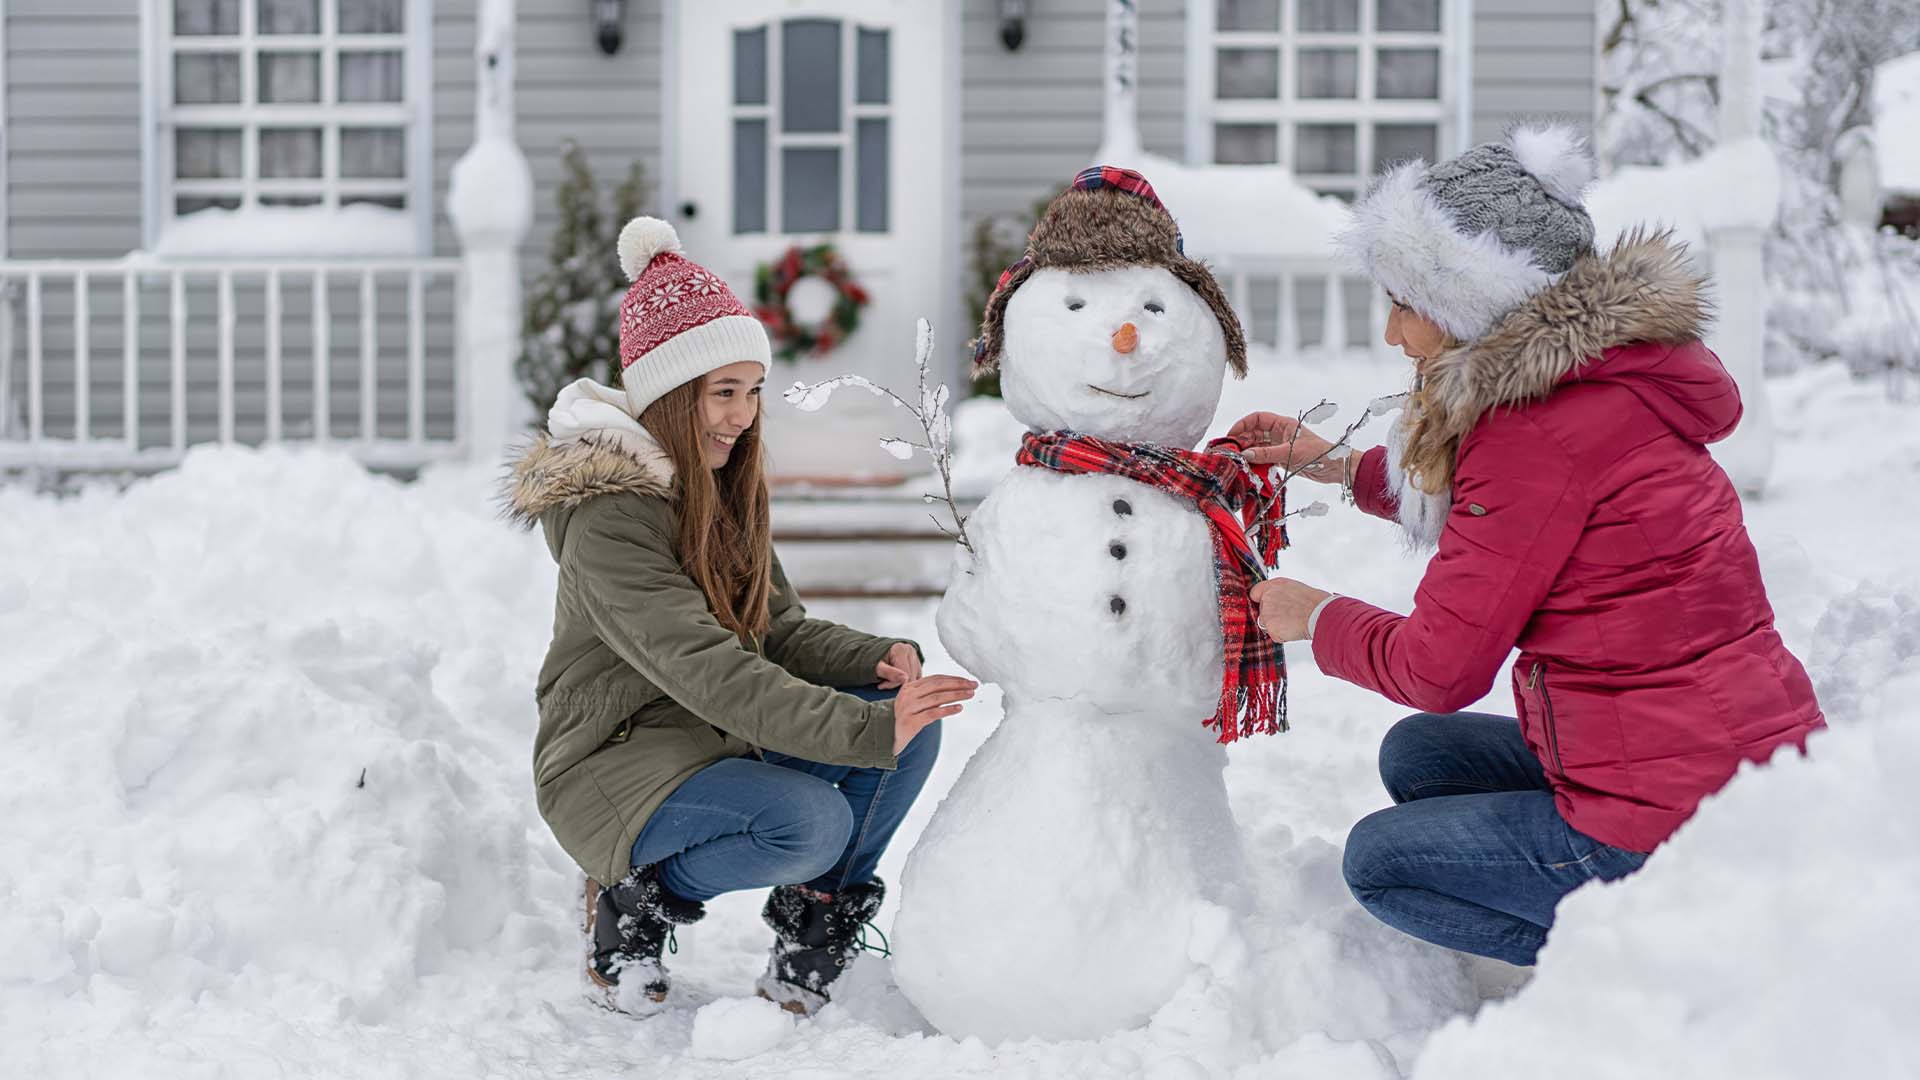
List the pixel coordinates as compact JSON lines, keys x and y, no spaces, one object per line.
{"x":265,"y":722}
{"x":1257,"y":211}
{"x":734,"y":1029}
{"x":1896,"y":116}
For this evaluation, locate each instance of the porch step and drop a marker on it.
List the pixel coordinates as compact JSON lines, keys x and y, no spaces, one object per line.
{"x":873,"y":543}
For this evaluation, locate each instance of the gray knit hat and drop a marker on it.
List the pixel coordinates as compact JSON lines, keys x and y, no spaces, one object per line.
{"x":1466,"y":241}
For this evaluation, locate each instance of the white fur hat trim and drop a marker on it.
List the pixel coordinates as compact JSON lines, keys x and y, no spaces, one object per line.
{"x":1403,"y":240}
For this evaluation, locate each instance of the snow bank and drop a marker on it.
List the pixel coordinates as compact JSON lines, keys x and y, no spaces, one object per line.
{"x":1735,"y":183}
{"x":1240,"y":210}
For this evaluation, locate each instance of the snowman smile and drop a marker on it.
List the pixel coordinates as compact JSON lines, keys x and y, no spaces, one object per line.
{"x":1116,"y":393}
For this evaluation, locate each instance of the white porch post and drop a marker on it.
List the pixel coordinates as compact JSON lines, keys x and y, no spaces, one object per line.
{"x":1739,"y":262}
{"x":1120,"y":128}
{"x":491,"y":203}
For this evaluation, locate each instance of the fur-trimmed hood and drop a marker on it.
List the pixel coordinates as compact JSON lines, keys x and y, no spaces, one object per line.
{"x":1643,"y":290}
{"x":549,"y":475}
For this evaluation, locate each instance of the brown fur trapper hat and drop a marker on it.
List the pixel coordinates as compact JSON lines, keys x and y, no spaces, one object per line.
{"x":1109,"y":218}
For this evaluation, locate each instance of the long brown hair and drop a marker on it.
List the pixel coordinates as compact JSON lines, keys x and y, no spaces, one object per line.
{"x":725,"y":545}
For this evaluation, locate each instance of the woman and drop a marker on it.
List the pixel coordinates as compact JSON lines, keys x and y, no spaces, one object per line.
{"x":690,"y":741}
{"x":1554,"y":449}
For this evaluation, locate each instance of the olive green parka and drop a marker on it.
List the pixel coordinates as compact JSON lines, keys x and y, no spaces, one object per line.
{"x":642,"y":687}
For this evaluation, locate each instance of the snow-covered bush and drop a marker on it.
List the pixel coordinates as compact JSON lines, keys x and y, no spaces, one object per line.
{"x":572,"y":323}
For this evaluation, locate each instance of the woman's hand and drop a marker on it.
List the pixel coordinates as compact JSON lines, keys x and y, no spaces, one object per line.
{"x":900,"y":666}
{"x":1272,"y":439}
{"x":923,"y":701}
{"x":1285,"y":605}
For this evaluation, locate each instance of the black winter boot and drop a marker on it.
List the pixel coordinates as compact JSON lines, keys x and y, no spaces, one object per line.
{"x":815,"y":938}
{"x":628,"y":926}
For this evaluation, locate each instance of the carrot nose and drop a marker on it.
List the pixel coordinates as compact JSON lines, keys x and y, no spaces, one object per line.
{"x":1126,"y":339}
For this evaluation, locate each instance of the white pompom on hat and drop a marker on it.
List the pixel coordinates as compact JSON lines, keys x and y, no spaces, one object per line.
{"x":678,"y":321}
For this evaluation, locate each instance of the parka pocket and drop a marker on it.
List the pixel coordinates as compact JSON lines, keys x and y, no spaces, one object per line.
{"x":1537,"y":686}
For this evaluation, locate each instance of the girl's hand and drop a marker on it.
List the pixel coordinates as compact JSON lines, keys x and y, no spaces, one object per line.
{"x":1272,"y":439}
{"x":923,"y":701}
{"x":1285,"y":605}
{"x":900,"y":667}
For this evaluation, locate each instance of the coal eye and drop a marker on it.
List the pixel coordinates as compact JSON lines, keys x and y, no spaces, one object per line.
{"x":1154,"y":306}
{"x":1074,"y":303}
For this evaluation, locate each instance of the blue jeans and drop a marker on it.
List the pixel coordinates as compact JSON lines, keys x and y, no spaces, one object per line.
{"x":1474,"y":857}
{"x":747,"y":823}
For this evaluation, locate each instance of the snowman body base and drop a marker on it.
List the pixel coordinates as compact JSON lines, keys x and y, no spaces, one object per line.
{"x":1057,"y":890}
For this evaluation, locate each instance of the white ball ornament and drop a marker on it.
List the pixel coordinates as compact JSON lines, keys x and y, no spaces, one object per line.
{"x":641,"y":240}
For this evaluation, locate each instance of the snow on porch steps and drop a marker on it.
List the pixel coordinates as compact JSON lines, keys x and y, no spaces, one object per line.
{"x":863,"y":542}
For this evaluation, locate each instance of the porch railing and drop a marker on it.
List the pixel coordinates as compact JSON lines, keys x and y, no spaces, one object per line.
{"x":1304,"y":306}
{"x":355,"y":353}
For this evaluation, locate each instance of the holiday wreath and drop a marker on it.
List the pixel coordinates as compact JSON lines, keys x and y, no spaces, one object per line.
{"x":772,"y":281}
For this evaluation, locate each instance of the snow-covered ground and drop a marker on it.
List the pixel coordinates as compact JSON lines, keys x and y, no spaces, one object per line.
{"x":264,"y":771}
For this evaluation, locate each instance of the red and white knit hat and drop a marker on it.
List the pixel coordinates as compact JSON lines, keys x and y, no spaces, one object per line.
{"x":678,"y":320}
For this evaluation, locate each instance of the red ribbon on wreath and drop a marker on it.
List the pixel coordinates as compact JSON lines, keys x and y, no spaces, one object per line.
{"x":772,"y":281}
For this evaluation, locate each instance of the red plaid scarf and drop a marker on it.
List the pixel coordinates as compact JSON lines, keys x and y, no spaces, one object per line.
{"x":1236,"y":500}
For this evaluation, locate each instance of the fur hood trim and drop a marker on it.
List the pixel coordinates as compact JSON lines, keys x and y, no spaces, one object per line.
{"x":552,"y":475}
{"x":1644,"y":289}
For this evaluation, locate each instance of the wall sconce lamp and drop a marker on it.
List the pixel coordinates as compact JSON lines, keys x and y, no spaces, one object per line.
{"x":1013,"y":23}
{"x":609,"y":24}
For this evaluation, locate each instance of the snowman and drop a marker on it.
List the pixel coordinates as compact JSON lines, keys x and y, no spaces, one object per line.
{"x":1086,"y":862}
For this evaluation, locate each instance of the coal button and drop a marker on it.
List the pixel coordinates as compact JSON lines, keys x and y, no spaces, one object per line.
{"x":1118,"y":605}
{"x":1117,"y":549}
{"x":1122,"y":507}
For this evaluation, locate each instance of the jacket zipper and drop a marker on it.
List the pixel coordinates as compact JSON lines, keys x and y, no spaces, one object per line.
{"x":1538,"y":681}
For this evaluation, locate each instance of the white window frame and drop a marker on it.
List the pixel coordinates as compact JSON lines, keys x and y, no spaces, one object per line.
{"x":846,"y":140}
{"x":1450,"y":113}
{"x":160,"y":117}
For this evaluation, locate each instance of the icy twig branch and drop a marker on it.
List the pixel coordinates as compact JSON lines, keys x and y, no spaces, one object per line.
{"x":930,"y":410}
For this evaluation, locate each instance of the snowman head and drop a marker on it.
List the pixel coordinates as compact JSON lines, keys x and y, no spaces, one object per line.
{"x":1105,"y":326}
{"x":1130,"y":354}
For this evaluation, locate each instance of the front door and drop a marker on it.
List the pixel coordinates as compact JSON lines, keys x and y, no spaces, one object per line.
{"x":821,"y":122}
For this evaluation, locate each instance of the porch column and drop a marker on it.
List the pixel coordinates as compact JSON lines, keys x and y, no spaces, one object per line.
{"x":1739,"y":256}
{"x":490,"y":200}
{"x":1120,"y":129}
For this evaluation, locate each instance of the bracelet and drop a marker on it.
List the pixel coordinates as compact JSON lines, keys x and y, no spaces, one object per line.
{"x":1346,"y":479}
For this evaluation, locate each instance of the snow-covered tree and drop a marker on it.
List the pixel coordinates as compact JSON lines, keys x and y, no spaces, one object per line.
{"x":1661,"y":83}
{"x":572,"y":323}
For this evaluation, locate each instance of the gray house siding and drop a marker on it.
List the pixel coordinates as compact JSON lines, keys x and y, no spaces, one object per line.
{"x":567,"y":89}
{"x":1031,"y":119}
{"x":72,"y":128}
{"x":1533,"y":59}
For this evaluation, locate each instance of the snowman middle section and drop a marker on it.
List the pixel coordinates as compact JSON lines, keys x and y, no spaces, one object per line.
{"x":1096,"y":589}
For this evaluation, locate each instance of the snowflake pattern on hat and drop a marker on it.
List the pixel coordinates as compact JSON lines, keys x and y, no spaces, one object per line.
{"x":671,"y":295}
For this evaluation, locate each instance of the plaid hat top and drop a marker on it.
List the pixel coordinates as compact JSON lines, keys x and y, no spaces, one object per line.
{"x":1107,"y":218}
{"x":678,"y":321}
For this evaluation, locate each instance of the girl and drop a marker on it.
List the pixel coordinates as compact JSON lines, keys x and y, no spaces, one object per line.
{"x":691,"y":741}
{"x":1555,"y":450}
